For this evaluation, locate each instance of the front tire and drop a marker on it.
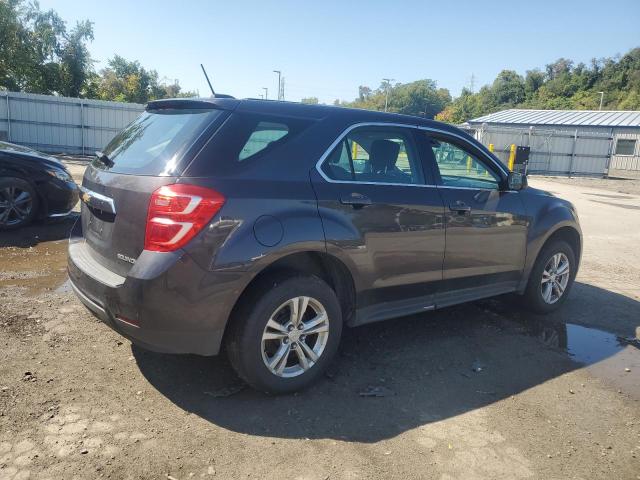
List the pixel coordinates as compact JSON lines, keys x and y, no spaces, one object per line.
{"x":285,"y":333}
{"x":551,"y":278}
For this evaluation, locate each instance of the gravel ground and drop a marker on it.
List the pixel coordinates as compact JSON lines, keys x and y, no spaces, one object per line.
{"x":620,"y":181}
{"x":479,"y":391}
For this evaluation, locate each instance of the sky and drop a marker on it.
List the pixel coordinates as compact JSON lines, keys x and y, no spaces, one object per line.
{"x":327,"y":48}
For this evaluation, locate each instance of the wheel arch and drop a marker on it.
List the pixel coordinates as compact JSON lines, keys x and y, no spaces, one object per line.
{"x":568,"y":234}
{"x":566,"y":231}
{"x":321,"y":264}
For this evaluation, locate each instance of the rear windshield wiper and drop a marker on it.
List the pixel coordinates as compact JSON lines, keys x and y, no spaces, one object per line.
{"x":104,"y":159}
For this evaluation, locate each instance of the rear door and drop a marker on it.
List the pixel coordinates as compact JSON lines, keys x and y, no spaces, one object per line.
{"x":379,"y":211}
{"x":486,"y":224}
{"x":117,"y":186}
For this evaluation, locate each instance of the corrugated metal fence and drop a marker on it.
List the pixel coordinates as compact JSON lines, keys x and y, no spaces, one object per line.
{"x":553,"y":152}
{"x":62,"y":124}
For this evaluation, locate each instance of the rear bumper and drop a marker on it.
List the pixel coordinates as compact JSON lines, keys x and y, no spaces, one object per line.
{"x":165,"y":304}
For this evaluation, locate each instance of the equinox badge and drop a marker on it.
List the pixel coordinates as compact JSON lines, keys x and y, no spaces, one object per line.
{"x":125,"y":258}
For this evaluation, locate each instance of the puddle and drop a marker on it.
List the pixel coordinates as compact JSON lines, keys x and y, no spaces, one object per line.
{"x":583,"y":344}
{"x":35,"y":257}
{"x":612,"y":359}
{"x":590,"y":345}
{"x":39,"y":268}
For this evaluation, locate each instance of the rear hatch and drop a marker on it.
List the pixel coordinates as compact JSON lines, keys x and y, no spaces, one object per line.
{"x":148,"y":154}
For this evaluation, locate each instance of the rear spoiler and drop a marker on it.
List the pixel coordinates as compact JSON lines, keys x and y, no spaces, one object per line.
{"x":222,"y":102}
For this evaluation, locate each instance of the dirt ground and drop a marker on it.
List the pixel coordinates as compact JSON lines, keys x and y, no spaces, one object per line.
{"x":479,"y":391}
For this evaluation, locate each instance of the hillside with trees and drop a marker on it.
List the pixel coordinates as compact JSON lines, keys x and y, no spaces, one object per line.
{"x":561,"y":85}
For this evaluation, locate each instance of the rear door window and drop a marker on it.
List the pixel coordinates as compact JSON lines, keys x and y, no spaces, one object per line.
{"x":376,"y":155}
{"x":154,"y":143}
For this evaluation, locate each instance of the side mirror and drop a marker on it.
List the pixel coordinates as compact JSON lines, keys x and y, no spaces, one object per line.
{"x":516,"y":181}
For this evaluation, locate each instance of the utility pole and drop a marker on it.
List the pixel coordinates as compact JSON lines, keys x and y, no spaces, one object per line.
{"x":279,"y":84}
{"x":282,"y":89}
{"x":601,"y":99}
{"x":266,"y":93}
{"x":386,"y":95}
{"x":472,"y":82}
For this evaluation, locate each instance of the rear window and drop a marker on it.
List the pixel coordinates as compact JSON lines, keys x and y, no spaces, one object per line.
{"x":154,"y":143}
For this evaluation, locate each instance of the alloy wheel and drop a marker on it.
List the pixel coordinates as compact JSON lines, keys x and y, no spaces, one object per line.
{"x":15,"y":205}
{"x":295,"y":337}
{"x":555,"y":278}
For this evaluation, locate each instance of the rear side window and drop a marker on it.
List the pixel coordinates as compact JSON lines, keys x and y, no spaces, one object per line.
{"x":154,"y":142}
{"x":244,"y":139}
{"x":262,"y":136}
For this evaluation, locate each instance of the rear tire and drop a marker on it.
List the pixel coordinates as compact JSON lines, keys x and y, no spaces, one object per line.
{"x":550,"y":282}
{"x":18,"y":203}
{"x":276,"y":349}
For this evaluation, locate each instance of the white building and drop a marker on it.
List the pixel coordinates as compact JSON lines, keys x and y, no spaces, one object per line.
{"x":589,"y":129}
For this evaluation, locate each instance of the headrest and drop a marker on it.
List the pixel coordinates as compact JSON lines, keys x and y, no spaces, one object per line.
{"x":383,"y":156}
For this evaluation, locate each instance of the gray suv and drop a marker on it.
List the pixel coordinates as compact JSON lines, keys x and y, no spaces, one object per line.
{"x":261,"y":228}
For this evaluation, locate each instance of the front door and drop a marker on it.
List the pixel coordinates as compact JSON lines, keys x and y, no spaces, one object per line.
{"x":379,"y":213}
{"x":486,"y":224}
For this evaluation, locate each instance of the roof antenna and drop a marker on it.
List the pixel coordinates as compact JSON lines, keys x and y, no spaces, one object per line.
{"x":213,"y":94}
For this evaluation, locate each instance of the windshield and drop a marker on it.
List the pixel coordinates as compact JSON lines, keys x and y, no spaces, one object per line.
{"x":154,"y":143}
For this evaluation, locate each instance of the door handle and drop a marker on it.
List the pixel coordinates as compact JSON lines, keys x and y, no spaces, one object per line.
{"x":356,"y":200}
{"x":459,"y":207}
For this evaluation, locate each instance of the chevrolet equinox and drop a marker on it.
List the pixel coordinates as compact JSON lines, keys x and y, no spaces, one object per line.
{"x":260,"y":228}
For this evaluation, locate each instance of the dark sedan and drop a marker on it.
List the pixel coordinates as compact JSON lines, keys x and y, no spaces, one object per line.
{"x":32,"y":185}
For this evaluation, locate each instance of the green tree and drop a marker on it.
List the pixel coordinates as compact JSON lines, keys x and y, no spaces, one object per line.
{"x":38,"y":54}
{"x":128,"y":81}
{"x":75,"y":61}
{"x":421,"y":98}
{"x":310,"y":100}
{"x":508,"y":88}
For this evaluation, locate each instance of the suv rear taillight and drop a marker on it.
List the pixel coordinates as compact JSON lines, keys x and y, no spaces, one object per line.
{"x":177,"y":213}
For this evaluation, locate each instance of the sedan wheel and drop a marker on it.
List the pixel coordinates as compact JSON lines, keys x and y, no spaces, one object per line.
{"x":17,"y":203}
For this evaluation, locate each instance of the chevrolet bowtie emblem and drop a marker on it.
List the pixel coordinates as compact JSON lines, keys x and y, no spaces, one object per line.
{"x":85,"y":197}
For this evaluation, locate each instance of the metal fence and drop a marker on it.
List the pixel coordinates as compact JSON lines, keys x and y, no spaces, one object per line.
{"x":553,"y":151}
{"x":62,"y":124}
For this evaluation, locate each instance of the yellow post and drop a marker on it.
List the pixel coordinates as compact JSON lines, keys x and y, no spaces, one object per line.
{"x":469,"y":164}
{"x":512,"y":157}
{"x":354,"y":150}
{"x":491,"y":149}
